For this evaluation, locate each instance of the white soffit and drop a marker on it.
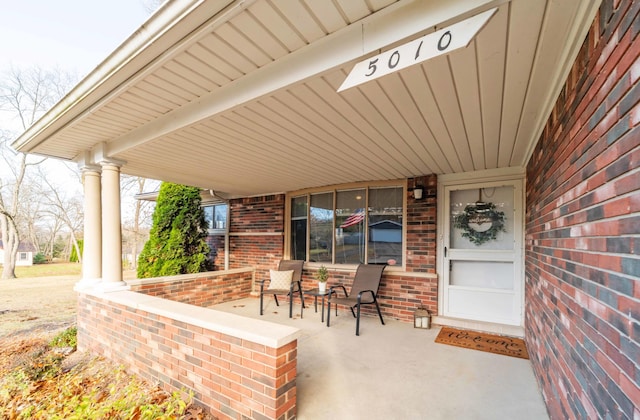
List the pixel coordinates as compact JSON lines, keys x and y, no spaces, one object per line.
{"x":244,"y":101}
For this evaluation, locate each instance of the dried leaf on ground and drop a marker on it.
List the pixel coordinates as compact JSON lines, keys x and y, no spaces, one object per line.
{"x":37,"y":382}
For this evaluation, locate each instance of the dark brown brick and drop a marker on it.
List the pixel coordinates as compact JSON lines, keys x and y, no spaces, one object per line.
{"x":582,"y":266}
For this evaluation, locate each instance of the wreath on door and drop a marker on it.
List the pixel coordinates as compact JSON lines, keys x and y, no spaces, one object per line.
{"x":480,"y":222}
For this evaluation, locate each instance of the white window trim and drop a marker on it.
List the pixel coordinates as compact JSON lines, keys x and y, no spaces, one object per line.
{"x":214,"y":231}
{"x":342,"y":187}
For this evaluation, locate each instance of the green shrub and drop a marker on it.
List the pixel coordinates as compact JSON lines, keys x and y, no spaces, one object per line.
{"x":39,"y":258}
{"x":176,"y":242}
{"x":67,"y":338}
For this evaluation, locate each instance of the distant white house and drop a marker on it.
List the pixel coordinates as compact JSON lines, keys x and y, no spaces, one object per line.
{"x":25,"y":254}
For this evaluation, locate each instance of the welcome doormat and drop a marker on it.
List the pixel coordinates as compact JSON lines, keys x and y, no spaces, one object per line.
{"x":499,"y":344}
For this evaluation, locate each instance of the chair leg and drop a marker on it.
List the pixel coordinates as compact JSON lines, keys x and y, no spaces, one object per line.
{"x":261,"y":302}
{"x":357,"y":319}
{"x":378,"y":308}
{"x":290,"y":305}
{"x":276,"y":298}
{"x":302,"y":297}
{"x":329,"y":311}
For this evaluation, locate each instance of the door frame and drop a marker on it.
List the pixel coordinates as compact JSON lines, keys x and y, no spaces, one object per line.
{"x":471,"y":180}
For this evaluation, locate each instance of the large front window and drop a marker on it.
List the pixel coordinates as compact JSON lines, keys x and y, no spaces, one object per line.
{"x":348,"y":226}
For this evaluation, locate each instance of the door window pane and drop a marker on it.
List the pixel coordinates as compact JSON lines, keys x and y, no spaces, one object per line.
{"x":299,"y":228}
{"x":478,"y":219}
{"x":385,"y":226}
{"x":320,"y":227}
{"x":350,"y":228}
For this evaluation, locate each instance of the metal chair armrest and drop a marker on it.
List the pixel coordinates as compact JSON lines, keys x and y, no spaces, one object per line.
{"x":332,"y":292}
{"x":359,"y":297}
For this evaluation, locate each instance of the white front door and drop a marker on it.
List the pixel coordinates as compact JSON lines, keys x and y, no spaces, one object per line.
{"x":482,"y":266}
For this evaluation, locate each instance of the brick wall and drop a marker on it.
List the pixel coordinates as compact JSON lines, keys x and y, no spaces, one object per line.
{"x":257,"y":240}
{"x":235,"y":377}
{"x":203,"y":289}
{"x":399,"y":295}
{"x":216,"y":243}
{"x":421,"y":226}
{"x":260,"y":252}
{"x":256,"y":232}
{"x":257,"y":214}
{"x":582,"y":225}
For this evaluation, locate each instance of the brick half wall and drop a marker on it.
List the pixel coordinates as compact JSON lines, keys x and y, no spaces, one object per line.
{"x":202,"y":289}
{"x":237,"y":367}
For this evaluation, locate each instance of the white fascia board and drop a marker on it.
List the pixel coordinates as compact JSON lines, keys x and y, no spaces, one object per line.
{"x":396,"y":22}
{"x":115,"y":72}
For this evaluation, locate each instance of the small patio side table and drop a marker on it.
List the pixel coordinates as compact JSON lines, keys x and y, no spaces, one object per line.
{"x":315,"y":293}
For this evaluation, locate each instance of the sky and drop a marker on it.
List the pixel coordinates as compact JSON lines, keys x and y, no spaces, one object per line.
{"x":74,"y":35}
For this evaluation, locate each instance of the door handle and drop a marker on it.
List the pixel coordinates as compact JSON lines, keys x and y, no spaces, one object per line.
{"x":445,"y":252}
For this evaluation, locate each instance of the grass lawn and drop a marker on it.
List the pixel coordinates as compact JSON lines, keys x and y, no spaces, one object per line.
{"x":50,"y":269}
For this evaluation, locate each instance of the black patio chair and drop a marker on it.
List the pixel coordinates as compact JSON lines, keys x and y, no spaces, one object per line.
{"x":364,"y":291}
{"x":290,"y":289}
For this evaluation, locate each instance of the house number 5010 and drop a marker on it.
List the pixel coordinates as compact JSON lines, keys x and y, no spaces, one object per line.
{"x":394,"y":58}
{"x":429,"y":46}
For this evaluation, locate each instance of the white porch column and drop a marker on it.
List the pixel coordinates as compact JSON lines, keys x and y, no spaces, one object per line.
{"x":92,"y":251}
{"x":111,"y":227}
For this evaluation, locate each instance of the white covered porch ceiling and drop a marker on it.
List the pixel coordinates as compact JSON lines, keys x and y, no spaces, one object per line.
{"x":240,"y":96}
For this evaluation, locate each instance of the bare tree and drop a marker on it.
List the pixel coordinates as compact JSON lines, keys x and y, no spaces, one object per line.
{"x":136,"y":230}
{"x":66,"y":209}
{"x":46,"y":236}
{"x":24,"y":97}
{"x":29,"y":212}
{"x":9,"y":204}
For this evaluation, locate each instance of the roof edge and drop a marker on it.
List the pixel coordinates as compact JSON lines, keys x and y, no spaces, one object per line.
{"x":102,"y":76}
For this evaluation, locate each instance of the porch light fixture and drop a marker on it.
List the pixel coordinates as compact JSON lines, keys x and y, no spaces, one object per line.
{"x":417,"y":192}
{"x":422,"y":318}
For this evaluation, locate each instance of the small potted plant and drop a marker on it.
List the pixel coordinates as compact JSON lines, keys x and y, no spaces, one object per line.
{"x":322,"y":275}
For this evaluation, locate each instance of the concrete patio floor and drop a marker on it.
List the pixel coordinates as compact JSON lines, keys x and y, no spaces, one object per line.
{"x":394,"y":371}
